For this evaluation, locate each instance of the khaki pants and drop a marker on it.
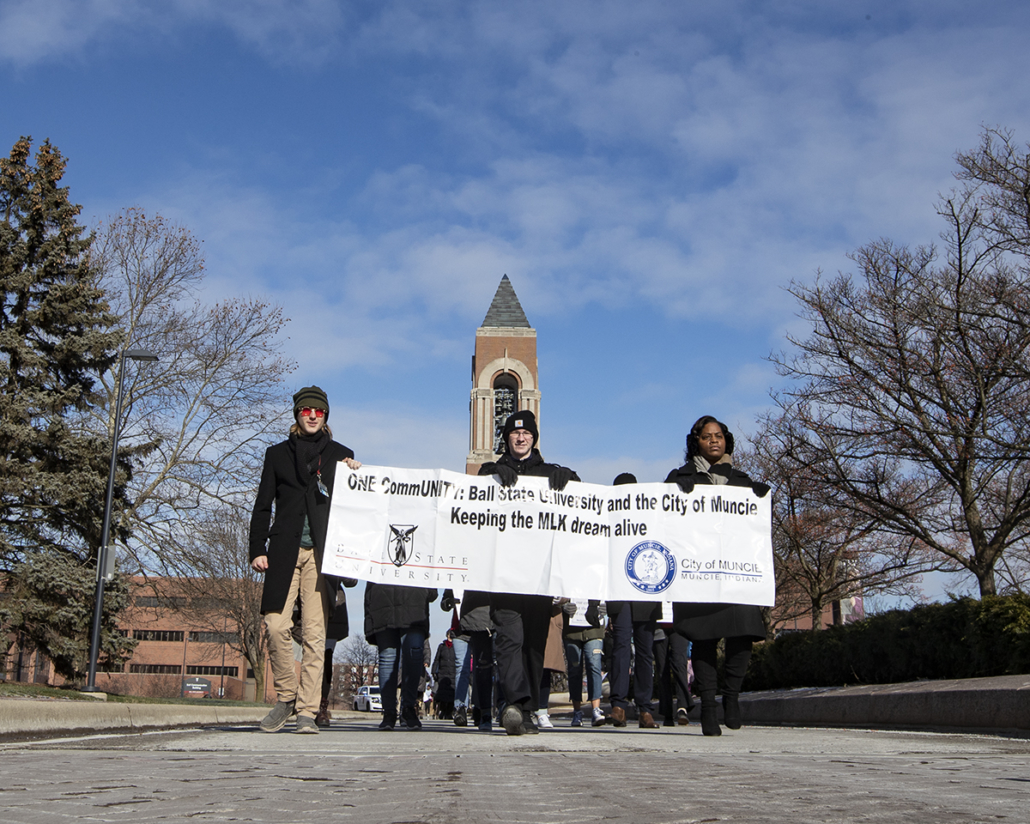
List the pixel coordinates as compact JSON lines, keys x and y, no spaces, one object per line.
{"x":310,"y":584}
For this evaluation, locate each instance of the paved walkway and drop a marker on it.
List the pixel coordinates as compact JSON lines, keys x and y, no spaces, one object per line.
{"x":352,"y":772}
{"x":789,"y":764}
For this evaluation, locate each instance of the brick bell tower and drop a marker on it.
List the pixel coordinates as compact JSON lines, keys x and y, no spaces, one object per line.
{"x":504,"y":375}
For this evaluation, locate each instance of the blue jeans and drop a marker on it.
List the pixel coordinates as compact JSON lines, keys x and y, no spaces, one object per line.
{"x":399,"y":649}
{"x":575,"y":653}
{"x":462,"y":666}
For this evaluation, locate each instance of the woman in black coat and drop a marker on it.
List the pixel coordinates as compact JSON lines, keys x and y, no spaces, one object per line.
{"x":444,"y":674}
{"x":297,"y":481}
{"x":709,"y":461}
{"x":397,"y":622}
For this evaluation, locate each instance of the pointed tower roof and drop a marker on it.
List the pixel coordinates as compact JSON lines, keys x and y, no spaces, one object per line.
{"x":505,"y":310}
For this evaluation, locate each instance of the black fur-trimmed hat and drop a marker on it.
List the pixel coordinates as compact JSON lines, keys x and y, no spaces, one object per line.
{"x":313,"y":396}
{"x":520,"y":420}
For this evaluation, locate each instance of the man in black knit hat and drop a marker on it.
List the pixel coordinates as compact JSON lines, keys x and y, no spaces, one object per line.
{"x":521,"y":622}
{"x":297,"y":485}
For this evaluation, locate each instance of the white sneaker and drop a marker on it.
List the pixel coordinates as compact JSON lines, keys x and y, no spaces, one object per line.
{"x":543,"y":720}
{"x":598,"y":719}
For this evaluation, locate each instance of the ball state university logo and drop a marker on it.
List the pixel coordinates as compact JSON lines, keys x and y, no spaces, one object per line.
{"x":402,"y":543}
{"x":650,"y":567}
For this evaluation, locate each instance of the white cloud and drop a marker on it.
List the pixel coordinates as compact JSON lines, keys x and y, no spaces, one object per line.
{"x":34,"y":30}
{"x":301,"y":32}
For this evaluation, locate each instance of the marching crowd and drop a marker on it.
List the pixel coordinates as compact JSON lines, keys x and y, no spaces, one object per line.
{"x":497,"y":652}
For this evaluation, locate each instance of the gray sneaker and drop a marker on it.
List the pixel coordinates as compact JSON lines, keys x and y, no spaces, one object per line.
{"x":511,"y":720}
{"x":278,"y":716}
{"x":306,"y":724}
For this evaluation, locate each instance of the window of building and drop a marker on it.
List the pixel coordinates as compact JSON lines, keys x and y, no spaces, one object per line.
{"x":214,"y":637}
{"x":506,"y":396}
{"x":227,"y":671}
{"x":158,"y":635}
{"x":156,"y":669}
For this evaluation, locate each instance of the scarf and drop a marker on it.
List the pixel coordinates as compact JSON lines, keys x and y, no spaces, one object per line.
{"x":719,"y":473}
{"x":307,"y":455}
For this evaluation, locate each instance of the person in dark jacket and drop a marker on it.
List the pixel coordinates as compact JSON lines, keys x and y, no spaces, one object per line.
{"x":444,"y":675}
{"x":521,"y":622}
{"x":632,"y":621}
{"x":297,"y":480}
{"x":397,"y":621}
{"x":474,"y":623}
{"x":709,"y":461}
{"x":672,"y":674}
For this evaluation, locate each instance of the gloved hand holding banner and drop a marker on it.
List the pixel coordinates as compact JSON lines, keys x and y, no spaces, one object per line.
{"x":636,"y":542}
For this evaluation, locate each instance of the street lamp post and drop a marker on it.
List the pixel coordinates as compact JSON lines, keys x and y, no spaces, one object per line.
{"x":225,"y":628}
{"x":94,"y":644}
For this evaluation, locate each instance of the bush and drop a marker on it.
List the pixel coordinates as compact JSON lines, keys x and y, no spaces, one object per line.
{"x":963,"y":638}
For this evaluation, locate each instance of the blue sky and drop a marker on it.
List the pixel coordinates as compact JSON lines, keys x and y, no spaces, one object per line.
{"x":650,"y":175}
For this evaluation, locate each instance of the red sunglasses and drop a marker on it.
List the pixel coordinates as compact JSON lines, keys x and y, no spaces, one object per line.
{"x":306,"y":411}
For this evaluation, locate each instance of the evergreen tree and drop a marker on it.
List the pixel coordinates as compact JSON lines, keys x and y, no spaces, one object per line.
{"x":56,"y":334}
{"x":50,"y":607}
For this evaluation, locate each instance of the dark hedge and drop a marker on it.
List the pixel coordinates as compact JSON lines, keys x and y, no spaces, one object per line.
{"x":963,"y":638}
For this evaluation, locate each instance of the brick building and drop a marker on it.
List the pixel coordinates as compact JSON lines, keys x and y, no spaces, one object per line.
{"x":175,"y":645}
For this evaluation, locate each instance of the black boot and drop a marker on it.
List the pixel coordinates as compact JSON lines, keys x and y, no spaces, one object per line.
{"x":703,"y":656}
{"x":731,"y":711}
{"x":738,"y":653}
{"x":710,"y":718}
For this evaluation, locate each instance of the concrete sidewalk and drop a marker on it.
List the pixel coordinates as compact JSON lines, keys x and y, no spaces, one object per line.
{"x":994,"y":705}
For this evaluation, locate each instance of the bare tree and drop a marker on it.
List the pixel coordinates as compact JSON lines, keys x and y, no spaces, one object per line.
{"x":212,"y":572}
{"x":912,"y":391}
{"x":824,"y":553}
{"x":195,"y":423}
{"x":358,"y":660}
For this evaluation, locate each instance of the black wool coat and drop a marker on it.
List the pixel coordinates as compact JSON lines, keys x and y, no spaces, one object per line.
{"x":388,"y":606}
{"x":444,"y":673}
{"x":292,"y":498}
{"x":703,"y":621}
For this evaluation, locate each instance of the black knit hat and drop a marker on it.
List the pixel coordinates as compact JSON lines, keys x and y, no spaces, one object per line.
{"x":624,"y":478}
{"x":520,"y":420}
{"x":312,"y":396}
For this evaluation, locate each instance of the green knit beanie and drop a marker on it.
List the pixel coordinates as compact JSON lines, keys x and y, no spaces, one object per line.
{"x":312,"y":396}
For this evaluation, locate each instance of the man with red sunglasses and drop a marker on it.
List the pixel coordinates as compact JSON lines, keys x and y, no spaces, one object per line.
{"x":297,"y":480}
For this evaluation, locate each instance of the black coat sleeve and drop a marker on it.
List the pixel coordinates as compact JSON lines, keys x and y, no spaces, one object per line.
{"x":261,"y":517}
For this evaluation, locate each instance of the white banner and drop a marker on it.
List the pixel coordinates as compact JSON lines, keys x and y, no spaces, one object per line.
{"x":637,"y":542}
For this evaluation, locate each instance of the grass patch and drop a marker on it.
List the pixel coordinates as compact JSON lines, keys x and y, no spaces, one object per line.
{"x":16,"y":690}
